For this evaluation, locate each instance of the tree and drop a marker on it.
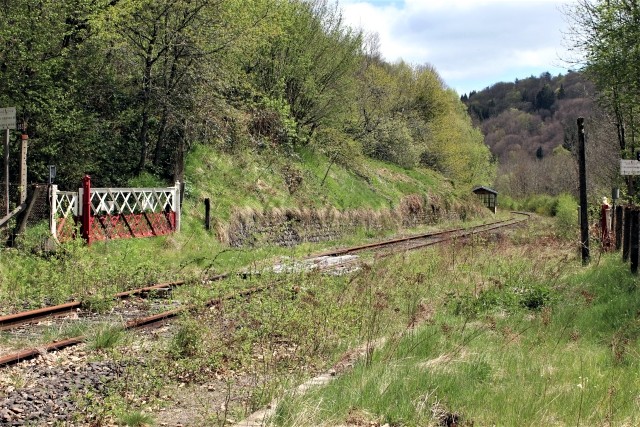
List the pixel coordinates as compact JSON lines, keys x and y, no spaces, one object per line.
{"x":545,"y":98}
{"x":606,"y":34}
{"x":309,"y":61}
{"x":162,"y":44}
{"x":44,"y":68}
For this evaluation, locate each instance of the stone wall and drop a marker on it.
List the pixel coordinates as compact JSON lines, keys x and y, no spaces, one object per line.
{"x":292,"y":226}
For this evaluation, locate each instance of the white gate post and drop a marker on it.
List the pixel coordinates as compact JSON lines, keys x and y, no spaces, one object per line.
{"x":176,"y":204}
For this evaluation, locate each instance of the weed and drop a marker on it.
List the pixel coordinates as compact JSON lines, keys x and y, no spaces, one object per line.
{"x":187,"y":340}
{"x":105,"y":337}
{"x":100,"y":304}
{"x":66,"y":330}
{"x":135,"y":419}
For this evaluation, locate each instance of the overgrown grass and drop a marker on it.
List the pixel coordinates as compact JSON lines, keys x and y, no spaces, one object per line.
{"x":299,"y":179}
{"x":510,"y":331}
{"x":516,"y":338}
{"x":135,"y":419}
{"x":105,"y":337}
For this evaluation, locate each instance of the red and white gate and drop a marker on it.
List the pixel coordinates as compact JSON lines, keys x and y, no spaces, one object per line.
{"x":114,"y":213}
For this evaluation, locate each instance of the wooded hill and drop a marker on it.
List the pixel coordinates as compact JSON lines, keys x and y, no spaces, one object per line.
{"x":531,"y":116}
{"x":530,"y":127}
{"x":123,"y":89}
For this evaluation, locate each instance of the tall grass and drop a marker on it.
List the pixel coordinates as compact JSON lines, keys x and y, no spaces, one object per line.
{"x":514,"y":339}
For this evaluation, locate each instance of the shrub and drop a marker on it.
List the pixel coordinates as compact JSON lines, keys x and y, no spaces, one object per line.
{"x":542,"y":204}
{"x":187,"y":340}
{"x":566,"y":212}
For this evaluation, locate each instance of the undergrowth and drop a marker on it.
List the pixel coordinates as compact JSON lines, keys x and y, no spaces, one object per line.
{"x":515,"y":337}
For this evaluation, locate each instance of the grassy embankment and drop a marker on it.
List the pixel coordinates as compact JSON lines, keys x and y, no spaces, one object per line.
{"x":31,"y":278}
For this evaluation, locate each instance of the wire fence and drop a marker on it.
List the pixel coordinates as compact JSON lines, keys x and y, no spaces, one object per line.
{"x":38,"y":214}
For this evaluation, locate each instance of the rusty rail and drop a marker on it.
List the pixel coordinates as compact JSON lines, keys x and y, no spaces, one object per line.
{"x":139,"y":323}
{"x":448,"y":234}
{"x":11,"y":321}
{"x":161,"y":317}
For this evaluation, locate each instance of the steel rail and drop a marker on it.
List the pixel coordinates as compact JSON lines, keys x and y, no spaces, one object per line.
{"x":155,"y":319}
{"x":386,"y":243}
{"x":143,"y":322}
{"x":440,"y":237}
{"x":11,"y":321}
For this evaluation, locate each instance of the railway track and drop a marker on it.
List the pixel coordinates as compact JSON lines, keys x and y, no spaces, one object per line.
{"x":319,"y":261}
{"x":394,"y":246}
{"x":13,"y":321}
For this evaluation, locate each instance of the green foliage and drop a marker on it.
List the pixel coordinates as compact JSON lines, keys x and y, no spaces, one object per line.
{"x":105,"y":337}
{"x":125,"y":90}
{"x":530,"y":296}
{"x":541,"y":204}
{"x":566,"y":212}
{"x":606,"y":33}
{"x":551,"y":355}
{"x":147,"y":180}
{"x":309,"y":61}
{"x":98,"y":303}
{"x":135,"y":419}
{"x":187,"y":340}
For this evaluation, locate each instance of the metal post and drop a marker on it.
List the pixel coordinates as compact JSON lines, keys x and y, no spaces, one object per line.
{"x":584,"y":221}
{"x":86,"y":209}
{"x":207,"y":214}
{"x":6,"y":171}
{"x":23,"y":167}
{"x":635,"y":237}
{"x":626,"y":245}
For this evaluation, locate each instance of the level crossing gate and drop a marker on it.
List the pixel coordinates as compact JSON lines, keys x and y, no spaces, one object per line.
{"x":114,"y":213}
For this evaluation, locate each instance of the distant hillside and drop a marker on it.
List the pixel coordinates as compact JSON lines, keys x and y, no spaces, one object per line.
{"x":533,"y":115}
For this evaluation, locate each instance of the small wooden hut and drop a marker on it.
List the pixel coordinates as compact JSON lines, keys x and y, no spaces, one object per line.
{"x":488,"y":196}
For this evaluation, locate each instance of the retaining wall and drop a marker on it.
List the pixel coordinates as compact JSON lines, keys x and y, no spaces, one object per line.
{"x":289,"y":227}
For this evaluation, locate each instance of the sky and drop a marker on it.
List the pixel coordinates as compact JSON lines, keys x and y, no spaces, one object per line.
{"x":472,"y":44}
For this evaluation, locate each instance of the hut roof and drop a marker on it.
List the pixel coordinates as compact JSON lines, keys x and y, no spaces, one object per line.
{"x":486,"y":189}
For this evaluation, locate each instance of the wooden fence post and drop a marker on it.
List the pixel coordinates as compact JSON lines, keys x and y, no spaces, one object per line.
{"x":618,"y":228}
{"x":86,"y":209}
{"x":627,"y":234}
{"x":584,"y":219}
{"x":177,"y":203}
{"x":635,"y":240}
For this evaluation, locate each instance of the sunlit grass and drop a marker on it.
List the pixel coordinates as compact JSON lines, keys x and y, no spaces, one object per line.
{"x":485,"y":357}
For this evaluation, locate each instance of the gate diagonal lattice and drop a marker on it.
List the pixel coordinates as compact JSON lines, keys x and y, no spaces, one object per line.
{"x":115,"y":213}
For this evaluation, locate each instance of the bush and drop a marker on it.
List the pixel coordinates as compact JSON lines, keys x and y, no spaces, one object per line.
{"x":506,"y":202}
{"x":542,"y":204}
{"x":566,"y":212}
{"x":187,"y":340}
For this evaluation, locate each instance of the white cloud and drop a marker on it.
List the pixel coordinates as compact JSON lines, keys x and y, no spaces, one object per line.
{"x":471,"y":43}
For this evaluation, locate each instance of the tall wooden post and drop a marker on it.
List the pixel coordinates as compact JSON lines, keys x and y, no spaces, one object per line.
{"x":86,"y":209}
{"x":618,"y":228}
{"x":584,"y":220}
